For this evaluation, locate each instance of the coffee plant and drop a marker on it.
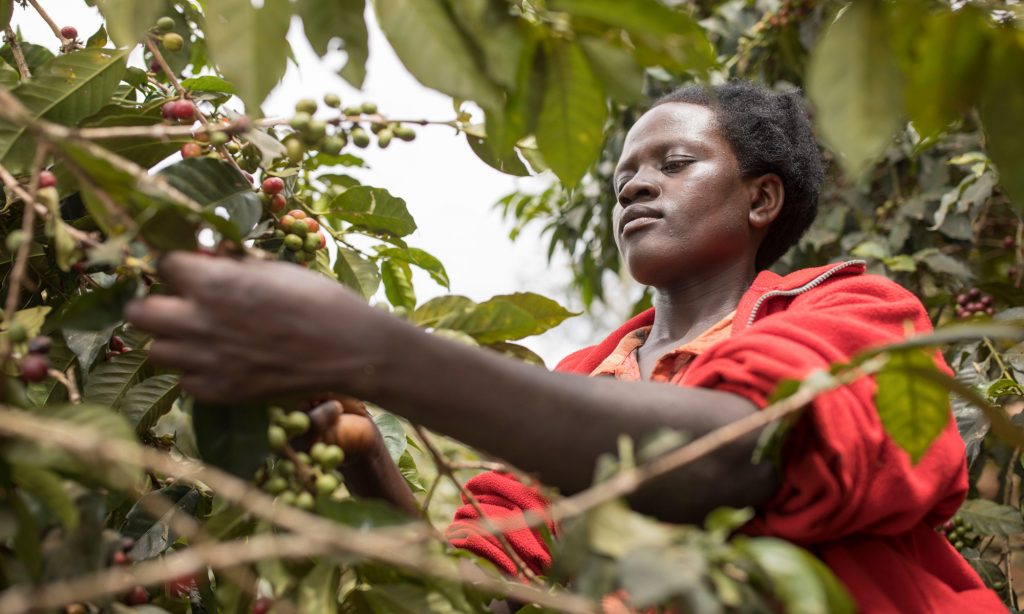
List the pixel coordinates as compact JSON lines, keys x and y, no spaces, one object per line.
{"x":118,"y":492}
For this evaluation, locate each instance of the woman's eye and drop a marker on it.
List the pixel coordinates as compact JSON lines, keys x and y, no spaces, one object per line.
{"x":675,"y":165}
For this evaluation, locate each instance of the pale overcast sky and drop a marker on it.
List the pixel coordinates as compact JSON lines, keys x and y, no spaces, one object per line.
{"x":449,"y":191}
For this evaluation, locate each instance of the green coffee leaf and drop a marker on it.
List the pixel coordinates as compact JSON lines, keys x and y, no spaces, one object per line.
{"x":48,"y":488}
{"x":357,"y":272}
{"x":419,"y":258}
{"x":991,"y":518}
{"x":98,"y":308}
{"x":802,"y":582}
{"x":393,"y":432}
{"x":374,"y":209}
{"x":397,"y":278}
{"x":110,"y":380}
{"x":914,"y":410}
{"x":326,"y":19}
{"x":148,"y":400}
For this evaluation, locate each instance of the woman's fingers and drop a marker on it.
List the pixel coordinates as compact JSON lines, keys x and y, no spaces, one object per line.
{"x":169,"y":316}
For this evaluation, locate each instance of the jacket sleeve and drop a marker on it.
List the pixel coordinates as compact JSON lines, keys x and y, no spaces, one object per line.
{"x":841,"y":472}
{"x":502,"y":497}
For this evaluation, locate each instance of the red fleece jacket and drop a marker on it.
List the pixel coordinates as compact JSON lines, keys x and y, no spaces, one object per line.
{"x":848,"y":494}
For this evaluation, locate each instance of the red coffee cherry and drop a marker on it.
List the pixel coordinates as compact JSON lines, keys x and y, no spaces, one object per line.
{"x":272,"y":185}
{"x":47,"y":179}
{"x":69,"y":32}
{"x":191,"y":150}
{"x":34,"y":368}
{"x":278,"y":203}
{"x":184,"y":110}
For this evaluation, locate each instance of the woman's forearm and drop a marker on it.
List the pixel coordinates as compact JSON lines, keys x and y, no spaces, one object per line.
{"x":556,"y":425}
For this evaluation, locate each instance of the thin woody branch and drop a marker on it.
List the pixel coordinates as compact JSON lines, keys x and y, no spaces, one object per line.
{"x":399,"y":546}
{"x":19,"y":56}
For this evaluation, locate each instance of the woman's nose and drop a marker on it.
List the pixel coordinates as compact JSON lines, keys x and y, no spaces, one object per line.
{"x":638,"y":189}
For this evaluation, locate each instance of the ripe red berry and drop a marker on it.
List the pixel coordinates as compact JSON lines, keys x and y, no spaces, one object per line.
{"x":168,"y":111}
{"x":973,"y":293}
{"x":312,"y":225}
{"x":962,"y":299}
{"x":191,"y":150}
{"x":121,"y":558}
{"x":154,"y":67}
{"x":184,"y":110}
{"x":34,"y":368}
{"x":1013,"y":272}
{"x":278,"y":203}
{"x":990,"y":311}
{"x":261,"y":605}
{"x":323,"y":240}
{"x":272,"y":185}
{"x":69,"y":32}
{"x":180,"y":587}
{"x":137,"y":596}
{"x":298,"y":214}
{"x":1009,"y":242}
{"x":117,"y":344}
{"x":286,"y":222}
{"x":47,"y":179}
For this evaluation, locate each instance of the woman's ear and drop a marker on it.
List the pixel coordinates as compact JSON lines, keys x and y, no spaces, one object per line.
{"x":766,"y":197}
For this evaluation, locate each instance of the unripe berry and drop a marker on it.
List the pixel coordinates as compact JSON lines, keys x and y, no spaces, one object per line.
{"x":48,"y":197}
{"x":276,"y":437}
{"x":384,"y":138}
{"x":276,"y":485}
{"x":326,"y":484}
{"x":14,"y":240}
{"x":278,"y":203}
{"x":299,"y":228}
{"x":311,"y":243}
{"x":287,"y":498}
{"x":368,"y":108}
{"x":300,"y":121}
{"x":298,"y":214}
{"x":304,"y":501}
{"x":165,"y":24}
{"x":332,"y":100}
{"x":191,"y":150}
{"x":47,"y":179}
{"x":351,"y":111}
{"x":306,"y":105}
{"x":184,"y":110}
{"x":69,"y":32}
{"x":331,"y":457}
{"x":219,"y":139}
{"x":295,"y":150}
{"x":272,"y":185}
{"x":360,"y":138}
{"x":405,"y":133}
{"x":179,"y":588}
{"x":293,"y":242}
{"x":332,"y":145}
{"x":173,"y":42}
{"x":316,"y":131}
{"x":16,"y":333}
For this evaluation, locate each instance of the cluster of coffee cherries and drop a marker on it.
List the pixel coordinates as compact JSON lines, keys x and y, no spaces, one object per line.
{"x":297,"y":478}
{"x":789,"y":12}
{"x":960,"y":533}
{"x":330,"y":137}
{"x":34,"y":365}
{"x":300,"y":235}
{"x":973,"y":302}
{"x":116,"y":347}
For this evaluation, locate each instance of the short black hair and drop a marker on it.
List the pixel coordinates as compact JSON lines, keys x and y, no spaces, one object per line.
{"x":769,"y":133}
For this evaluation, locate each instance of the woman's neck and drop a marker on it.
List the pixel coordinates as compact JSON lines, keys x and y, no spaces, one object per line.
{"x":684,"y":310}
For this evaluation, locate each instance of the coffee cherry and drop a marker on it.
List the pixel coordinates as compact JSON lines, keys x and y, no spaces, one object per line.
{"x":272,"y":185}
{"x":191,"y":150}
{"x":326,"y":484}
{"x":368,"y":108}
{"x":179,"y":588}
{"x":316,"y":131}
{"x":305,"y":501}
{"x":296,"y":423}
{"x":300,"y":121}
{"x":165,"y":24}
{"x":300,"y":228}
{"x":121,"y":558}
{"x":306,"y":105}
{"x":16,"y":333}
{"x":312,"y":225}
{"x":168,"y":111}
{"x":405,"y":133}
{"x":219,"y":139}
{"x":384,"y":138}
{"x":1009,"y":242}
{"x":47,"y":179}
{"x":40,"y":345}
{"x":276,"y":485}
{"x":48,"y":197}
{"x":332,"y":145}
{"x":352,"y":111}
{"x":293,"y":242}
{"x":286,"y":467}
{"x":117,"y":344}
{"x":360,"y":138}
{"x":184,"y":110}
{"x":278,"y":203}
{"x":323,"y":240}
{"x":35,"y":367}
{"x":332,"y":100}
{"x":330,"y":456}
{"x":137,"y":596}
{"x":69,"y":32}
{"x":973,"y":293}
{"x":261,"y":605}
{"x":276,"y":437}
{"x":173,"y":42}
{"x":287,"y":498}
{"x":311,"y":243}
{"x":295,"y":150}
{"x":14,"y":240}
{"x":286,"y":222}
{"x":154,"y":67}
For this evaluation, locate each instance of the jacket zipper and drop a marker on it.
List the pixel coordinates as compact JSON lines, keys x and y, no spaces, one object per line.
{"x":804,"y":288}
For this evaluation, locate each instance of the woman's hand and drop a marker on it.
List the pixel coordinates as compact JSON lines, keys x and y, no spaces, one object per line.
{"x":253,"y":330}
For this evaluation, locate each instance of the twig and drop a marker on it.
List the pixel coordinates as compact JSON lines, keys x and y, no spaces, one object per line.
{"x":28,"y":219}
{"x":481,"y":465}
{"x":19,"y":56}
{"x":446,"y":470}
{"x":68,"y":382}
{"x":395,"y":546}
{"x":65,"y":43}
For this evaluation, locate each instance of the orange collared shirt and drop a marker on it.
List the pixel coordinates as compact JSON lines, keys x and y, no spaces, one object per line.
{"x":622,"y":362}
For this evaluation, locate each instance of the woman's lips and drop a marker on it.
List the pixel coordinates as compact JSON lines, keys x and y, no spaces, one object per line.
{"x":637,"y":224}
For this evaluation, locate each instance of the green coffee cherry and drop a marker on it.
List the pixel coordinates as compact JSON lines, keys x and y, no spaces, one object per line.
{"x":333,"y":456}
{"x":165,"y":24}
{"x":311,"y":243}
{"x":304,"y":458}
{"x":304,"y":501}
{"x":297,"y":422}
{"x":293,"y":242}
{"x":360,"y":138}
{"x":368,"y":107}
{"x":287,"y":498}
{"x":352,"y":111}
{"x":405,"y":133}
{"x":332,"y":145}
{"x":326,"y":484}
{"x":16,"y":333}
{"x":295,"y":150}
{"x":276,"y":437}
{"x":219,"y":139}
{"x":285,"y":467}
{"x":300,"y":229}
{"x":316,"y":451}
{"x":173,"y":42}
{"x":276,"y":485}
{"x":14,"y":241}
{"x":317,"y":130}
{"x":332,"y":100}
{"x":384,"y":138}
{"x":306,"y":105}
{"x":301,"y":121}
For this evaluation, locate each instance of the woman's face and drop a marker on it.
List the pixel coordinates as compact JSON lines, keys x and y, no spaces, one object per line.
{"x":683,"y":209}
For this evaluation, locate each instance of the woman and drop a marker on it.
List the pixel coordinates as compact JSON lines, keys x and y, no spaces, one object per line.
{"x":712,"y":189}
